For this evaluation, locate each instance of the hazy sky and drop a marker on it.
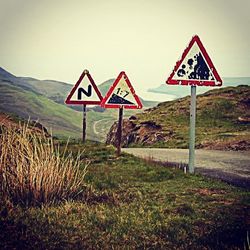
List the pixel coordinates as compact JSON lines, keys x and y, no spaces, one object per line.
{"x":57,"y":39}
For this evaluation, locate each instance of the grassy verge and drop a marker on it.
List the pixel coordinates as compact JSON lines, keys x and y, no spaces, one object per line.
{"x":134,"y":204}
{"x":33,"y":171}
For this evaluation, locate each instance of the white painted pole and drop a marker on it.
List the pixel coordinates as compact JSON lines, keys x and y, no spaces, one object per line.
{"x":192,"y":130}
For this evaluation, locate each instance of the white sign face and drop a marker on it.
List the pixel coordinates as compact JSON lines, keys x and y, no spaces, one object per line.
{"x":122,"y":94}
{"x":84,"y":92}
{"x":194,"y":67}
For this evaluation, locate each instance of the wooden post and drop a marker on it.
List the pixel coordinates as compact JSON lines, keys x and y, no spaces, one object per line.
{"x":119,"y":132}
{"x":192,"y":130}
{"x":84,"y":124}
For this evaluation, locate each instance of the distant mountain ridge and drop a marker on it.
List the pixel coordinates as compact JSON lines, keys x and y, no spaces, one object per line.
{"x":13,"y":80}
{"x":57,"y":91}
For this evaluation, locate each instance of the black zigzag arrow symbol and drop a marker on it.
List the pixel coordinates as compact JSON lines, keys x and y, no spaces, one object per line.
{"x":82,"y":90}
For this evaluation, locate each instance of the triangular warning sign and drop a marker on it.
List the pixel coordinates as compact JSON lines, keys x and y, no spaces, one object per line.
{"x":195,"y":67}
{"x":121,"y":94}
{"x":85,"y":91}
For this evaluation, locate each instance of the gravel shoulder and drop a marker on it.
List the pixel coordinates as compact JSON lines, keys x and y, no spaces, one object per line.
{"x":230,"y":166}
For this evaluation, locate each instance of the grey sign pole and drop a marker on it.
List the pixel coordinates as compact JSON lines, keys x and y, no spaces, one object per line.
{"x":192,"y":130}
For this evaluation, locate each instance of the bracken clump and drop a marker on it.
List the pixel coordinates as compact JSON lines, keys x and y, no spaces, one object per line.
{"x":33,"y":171}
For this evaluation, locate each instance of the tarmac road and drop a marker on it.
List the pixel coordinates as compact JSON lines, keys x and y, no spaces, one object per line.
{"x":230,"y":166}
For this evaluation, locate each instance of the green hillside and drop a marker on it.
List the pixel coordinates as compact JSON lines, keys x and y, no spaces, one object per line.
{"x":54,"y":90}
{"x":104,"y":87}
{"x":29,"y":98}
{"x":43,"y":100}
{"x":63,"y":120}
{"x":26,"y":104}
{"x":58,"y":91}
{"x":223,"y":117}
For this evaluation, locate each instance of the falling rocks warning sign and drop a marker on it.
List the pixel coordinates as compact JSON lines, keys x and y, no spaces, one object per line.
{"x":195,"y":67}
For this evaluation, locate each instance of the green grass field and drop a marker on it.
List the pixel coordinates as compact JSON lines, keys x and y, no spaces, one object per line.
{"x":131,"y":203}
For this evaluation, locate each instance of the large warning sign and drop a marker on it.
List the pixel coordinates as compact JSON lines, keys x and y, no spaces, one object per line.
{"x":195,"y":67}
{"x":85,"y":91}
{"x":121,"y":94}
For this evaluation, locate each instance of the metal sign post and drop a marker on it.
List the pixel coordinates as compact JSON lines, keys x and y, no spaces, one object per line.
{"x":196,"y":69}
{"x":119,"y":132}
{"x":192,"y":130}
{"x":121,"y":95}
{"x":84,"y":124}
{"x":84,"y":92}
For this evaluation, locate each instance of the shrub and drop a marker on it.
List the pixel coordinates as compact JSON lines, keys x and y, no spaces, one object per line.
{"x":33,"y":171}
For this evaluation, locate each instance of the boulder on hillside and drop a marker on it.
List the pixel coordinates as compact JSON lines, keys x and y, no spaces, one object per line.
{"x":145,"y":133}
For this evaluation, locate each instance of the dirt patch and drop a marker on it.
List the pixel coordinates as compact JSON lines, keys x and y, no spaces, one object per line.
{"x":144,"y":133}
{"x":234,"y":145}
{"x":6,"y":120}
{"x":209,"y":192}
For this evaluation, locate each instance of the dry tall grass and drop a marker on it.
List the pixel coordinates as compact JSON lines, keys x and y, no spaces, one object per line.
{"x":33,"y":171}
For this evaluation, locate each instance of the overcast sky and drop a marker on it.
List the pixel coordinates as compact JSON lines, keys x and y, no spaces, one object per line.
{"x":58,"y":39}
